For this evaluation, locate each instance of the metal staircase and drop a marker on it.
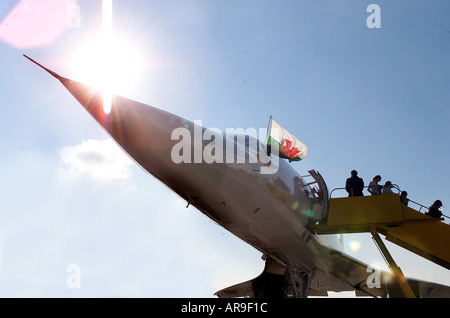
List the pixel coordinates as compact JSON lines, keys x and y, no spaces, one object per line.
{"x":400,"y":224}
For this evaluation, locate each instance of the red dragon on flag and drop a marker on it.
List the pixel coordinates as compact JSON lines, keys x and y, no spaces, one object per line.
{"x":289,"y":146}
{"x":289,"y":150}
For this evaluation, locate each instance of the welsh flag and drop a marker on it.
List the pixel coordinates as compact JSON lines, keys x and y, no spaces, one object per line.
{"x":289,"y":146}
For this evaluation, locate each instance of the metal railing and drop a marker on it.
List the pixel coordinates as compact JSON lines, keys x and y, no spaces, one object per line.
{"x":398,"y":191}
{"x":394,"y":186}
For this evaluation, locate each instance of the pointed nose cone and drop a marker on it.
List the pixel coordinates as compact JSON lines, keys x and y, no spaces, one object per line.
{"x":143,"y":131}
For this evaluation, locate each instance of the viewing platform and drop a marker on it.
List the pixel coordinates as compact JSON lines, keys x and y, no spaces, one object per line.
{"x":400,"y":224}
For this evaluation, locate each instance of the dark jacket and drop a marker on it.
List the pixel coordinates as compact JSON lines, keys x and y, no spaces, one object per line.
{"x":434,"y":212}
{"x":354,"y":186}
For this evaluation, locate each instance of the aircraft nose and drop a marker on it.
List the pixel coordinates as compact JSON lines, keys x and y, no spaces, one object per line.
{"x":143,"y":131}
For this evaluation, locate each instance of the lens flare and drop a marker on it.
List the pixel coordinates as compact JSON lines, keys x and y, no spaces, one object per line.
{"x":355,"y":246}
{"x":34,"y":23}
{"x":106,"y":62}
{"x":107,"y":39}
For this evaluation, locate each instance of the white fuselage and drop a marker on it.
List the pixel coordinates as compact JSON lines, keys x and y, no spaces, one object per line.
{"x":268,"y":211}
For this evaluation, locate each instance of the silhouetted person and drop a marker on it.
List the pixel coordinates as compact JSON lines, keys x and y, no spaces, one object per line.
{"x":374,"y":188}
{"x":435,"y":209}
{"x":387,"y":189}
{"x":403,"y":198}
{"x":354,"y":185}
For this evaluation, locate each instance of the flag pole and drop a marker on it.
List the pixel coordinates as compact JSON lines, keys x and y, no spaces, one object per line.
{"x":268,"y":129}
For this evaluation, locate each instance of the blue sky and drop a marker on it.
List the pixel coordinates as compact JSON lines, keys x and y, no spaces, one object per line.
{"x":374,"y":100}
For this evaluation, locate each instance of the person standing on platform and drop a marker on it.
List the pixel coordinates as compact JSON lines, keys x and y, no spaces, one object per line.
{"x":403,"y":198}
{"x":374,"y":188}
{"x":387,"y":189}
{"x":354,"y":185}
{"x":435,"y":209}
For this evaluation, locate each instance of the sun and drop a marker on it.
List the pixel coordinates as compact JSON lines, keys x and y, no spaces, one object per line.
{"x":109,"y":64}
{"x":106,"y":62}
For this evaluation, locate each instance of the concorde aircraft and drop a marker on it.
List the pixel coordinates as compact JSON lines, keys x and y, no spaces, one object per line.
{"x":269,"y":211}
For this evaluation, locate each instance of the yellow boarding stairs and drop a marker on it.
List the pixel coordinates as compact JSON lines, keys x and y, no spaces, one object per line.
{"x":402,"y":225}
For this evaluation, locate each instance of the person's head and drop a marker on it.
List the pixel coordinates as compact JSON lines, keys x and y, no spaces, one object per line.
{"x":354,"y":173}
{"x":404,"y":194}
{"x":388,"y":184}
{"x":437,"y":203}
{"x":377,"y":178}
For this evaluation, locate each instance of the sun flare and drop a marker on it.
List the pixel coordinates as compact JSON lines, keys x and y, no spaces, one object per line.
{"x":110,"y":65}
{"x":106,"y":62}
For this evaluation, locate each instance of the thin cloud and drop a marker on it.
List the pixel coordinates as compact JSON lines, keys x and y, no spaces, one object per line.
{"x":100,"y":160}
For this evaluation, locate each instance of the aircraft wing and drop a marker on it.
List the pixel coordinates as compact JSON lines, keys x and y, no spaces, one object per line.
{"x":346,"y":274}
{"x":360,"y":277}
